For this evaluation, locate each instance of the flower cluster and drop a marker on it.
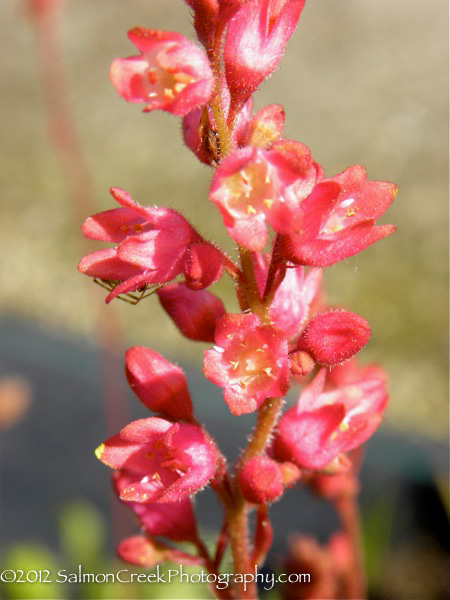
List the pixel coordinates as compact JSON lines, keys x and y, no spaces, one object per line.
{"x":289,"y":221}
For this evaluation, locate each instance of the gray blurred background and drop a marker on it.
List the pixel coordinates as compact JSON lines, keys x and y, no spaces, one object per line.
{"x":361,"y":82}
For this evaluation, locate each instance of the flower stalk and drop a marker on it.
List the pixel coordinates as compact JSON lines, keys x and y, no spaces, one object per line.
{"x":289,"y":222}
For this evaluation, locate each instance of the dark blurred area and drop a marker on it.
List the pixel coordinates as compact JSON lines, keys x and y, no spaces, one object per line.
{"x":361,"y":83}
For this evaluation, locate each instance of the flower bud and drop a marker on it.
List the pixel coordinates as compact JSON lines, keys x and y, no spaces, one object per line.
{"x":194,"y":313}
{"x":255,"y":42}
{"x":290,"y":473}
{"x":202,"y":265}
{"x":159,"y":384}
{"x":302,"y":363}
{"x":261,"y":480}
{"x":142,"y":551}
{"x":334,"y":336}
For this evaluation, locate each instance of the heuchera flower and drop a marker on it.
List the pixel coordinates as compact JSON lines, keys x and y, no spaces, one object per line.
{"x":261,"y":480}
{"x":194,"y":313}
{"x":165,"y":461}
{"x":249,"y":361}
{"x":334,"y":336}
{"x":324,"y":424}
{"x":266,"y":126}
{"x":152,"y":244}
{"x":171,"y":73}
{"x":340,"y":223}
{"x":252,"y":186}
{"x":255,"y":42}
{"x":174,"y":520}
{"x":289,"y":310}
{"x":142,"y":551}
{"x":202,"y":266}
{"x":159,"y":384}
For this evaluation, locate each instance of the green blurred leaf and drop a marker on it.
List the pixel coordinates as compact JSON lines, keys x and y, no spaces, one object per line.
{"x":82,"y":535}
{"x":30,"y":558}
{"x":377,"y":526}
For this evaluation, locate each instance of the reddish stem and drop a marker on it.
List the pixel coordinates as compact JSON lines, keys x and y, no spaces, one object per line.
{"x":347,"y":508}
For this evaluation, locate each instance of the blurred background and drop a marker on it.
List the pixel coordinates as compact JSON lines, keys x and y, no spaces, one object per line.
{"x":361,"y":83}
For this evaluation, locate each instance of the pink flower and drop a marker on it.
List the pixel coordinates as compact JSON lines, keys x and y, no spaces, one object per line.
{"x":165,"y":461}
{"x":194,"y":313}
{"x":252,"y":186}
{"x":334,"y":336}
{"x":202,"y":266}
{"x":175,"y":520}
{"x":324,"y":424}
{"x":152,"y":244}
{"x":170,"y":74}
{"x":261,"y":480}
{"x":255,"y":43}
{"x":159,"y":384}
{"x":341,"y":223}
{"x":291,"y":304}
{"x":249,"y":361}
{"x":142,"y":551}
{"x":266,"y":126}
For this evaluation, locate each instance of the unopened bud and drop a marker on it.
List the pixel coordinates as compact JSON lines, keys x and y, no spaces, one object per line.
{"x":194,"y":313}
{"x":261,"y":480}
{"x":302,"y":363}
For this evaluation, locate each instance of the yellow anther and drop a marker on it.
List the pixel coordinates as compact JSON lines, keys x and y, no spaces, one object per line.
{"x":125,"y":228}
{"x":268,"y":371}
{"x":138,"y":228}
{"x":168,"y":93}
{"x":344,"y":426}
{"x":156,"y":475}
{"x":183,"y":78}
{"x":250,"y":210}
{"x":268,"y":202}
{"x":351,"y":212}
{"x":234,"y":364}
{"x":179,"y":87}
{"x":99,"y":451}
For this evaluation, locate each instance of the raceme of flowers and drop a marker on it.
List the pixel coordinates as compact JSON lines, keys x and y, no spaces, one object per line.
{"x":289,"y":221}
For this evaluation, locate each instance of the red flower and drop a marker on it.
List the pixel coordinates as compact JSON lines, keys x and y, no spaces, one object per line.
{"x":159,"y":384}
{"x":171,"y":73}
{"x":340,"y":223}
{"x":175,"y":520}
{"x":252,"y":186}
{"x":290,"y":307}
{"x":255,"y":43}
{"x":334,"y":336}
{"x":249,"y":361}
{"x":164,"y":461}
{"x":152,"y":244}
{"x":324,"y":424}
{"x":194,"y":313}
